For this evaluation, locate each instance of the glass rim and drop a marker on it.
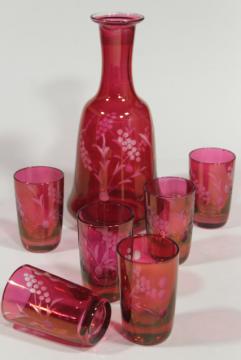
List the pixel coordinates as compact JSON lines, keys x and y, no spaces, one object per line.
{"x":96,"y":225}
{"x":159,"y":196}
{"x":106,"y":18}
{"x":96,"y":303}
{"x":131,"y":261}
{"x":212,"y":148}
{"x":61,"y":175}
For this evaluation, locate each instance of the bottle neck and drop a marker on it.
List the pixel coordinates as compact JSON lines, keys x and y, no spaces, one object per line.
{"x":117,"y":45}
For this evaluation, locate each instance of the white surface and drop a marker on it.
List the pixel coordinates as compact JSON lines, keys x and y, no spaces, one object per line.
{"x":187,"y":66}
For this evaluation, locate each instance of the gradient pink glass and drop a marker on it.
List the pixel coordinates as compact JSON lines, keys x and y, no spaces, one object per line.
{"x":148,"y":267}
{"x":212,"y":171}
{"x":101,"y":226}
{"x":46,"y":305}
{"x":39,"y":200}
{"x":169,"y":210}
{"x":115,"y":145}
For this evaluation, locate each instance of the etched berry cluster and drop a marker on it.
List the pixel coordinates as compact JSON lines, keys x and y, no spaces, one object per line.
{"x":105,"y":124}
{"x":143,"y":285}
{"x":37,"y":287}
{"x":128,"y":145}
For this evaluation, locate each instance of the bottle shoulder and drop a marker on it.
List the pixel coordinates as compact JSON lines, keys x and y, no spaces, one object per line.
{"x":120,"y":105}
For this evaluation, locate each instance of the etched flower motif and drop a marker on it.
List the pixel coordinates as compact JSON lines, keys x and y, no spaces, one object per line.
{"x":85,"y":156}
{"x":159,"y":225}
{"x":105,"y":124}
{"x":36,"y":287}
{"x":110,"y":239}
{"x":142,"y":285}
{"x":129,"y":145}
{"x":99,"y":254}
{"x":201,"y":191}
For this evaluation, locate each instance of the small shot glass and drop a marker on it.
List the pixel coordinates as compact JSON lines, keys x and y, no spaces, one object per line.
{"x":39,"y":200}
{"x":101,"y":225}
{"x":46,"y":305}
{"x":212,"y":172}
{"x":169,"y":204}
{"x":148,"y":266}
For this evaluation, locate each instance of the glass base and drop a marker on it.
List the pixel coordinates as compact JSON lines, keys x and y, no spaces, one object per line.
{"x":209,"y":225}
{"x":110,"y":293}
{"x":40,"y":246}
{"x":210,"y":221}
{"x":146,"y":338}
{"x":105,"y":294}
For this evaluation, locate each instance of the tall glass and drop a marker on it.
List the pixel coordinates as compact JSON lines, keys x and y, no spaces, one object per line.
{"x":39,"y":194}
{"x":212,"y":172}
{"x":44,"y":304}
{"x":101,"y":225}
{"x":170,"y":210}
{"x":148,"y":266}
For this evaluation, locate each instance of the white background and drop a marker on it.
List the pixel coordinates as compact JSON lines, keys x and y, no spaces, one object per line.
{"x":187,"y":66}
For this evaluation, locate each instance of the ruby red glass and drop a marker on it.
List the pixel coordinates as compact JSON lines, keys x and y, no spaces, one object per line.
{"x":115,"y":144}
{"x":101,"y":225}
{"x":46,"y":305}
{"x":148,"y":266}
{"x":212,"y":171}
{"x":39,"y":200}
{"x":170,"y":209}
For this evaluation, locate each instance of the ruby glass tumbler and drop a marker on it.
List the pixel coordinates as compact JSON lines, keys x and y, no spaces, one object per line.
{"x":148,"y":266}
{"x":39,"y":200}
{"x":169,"y":210}
{"x":101,"y":225}
{"x":212,"y":171}
{"x":43,"y":304}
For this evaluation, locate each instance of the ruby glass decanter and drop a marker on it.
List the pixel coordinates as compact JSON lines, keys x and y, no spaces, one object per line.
{"x":115,"y":151}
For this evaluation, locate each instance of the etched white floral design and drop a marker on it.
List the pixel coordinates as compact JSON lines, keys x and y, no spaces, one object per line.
{"x":126,"y":162}
{"x":105,"y":124}
{"x":158,"y":225}
{"x":201,"y":191}
{"x":41,"y":302}
{"x":85,"y":156}
{"x":143,"y":290}
{"x":37,"y":287}
{"x":98,"y":253}
{"x":220,"y":179}
{"x":128,"y":145}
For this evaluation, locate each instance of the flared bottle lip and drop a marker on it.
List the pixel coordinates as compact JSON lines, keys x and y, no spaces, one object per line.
{"x":117,"y":18}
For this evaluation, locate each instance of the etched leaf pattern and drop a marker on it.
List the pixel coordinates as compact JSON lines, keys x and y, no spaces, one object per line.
{"x":98,"y":248}
{"x":39,"y":209}
{"x":217,"y":194}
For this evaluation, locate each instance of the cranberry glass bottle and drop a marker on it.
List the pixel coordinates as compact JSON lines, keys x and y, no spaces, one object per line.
{"x":115,"y":145}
